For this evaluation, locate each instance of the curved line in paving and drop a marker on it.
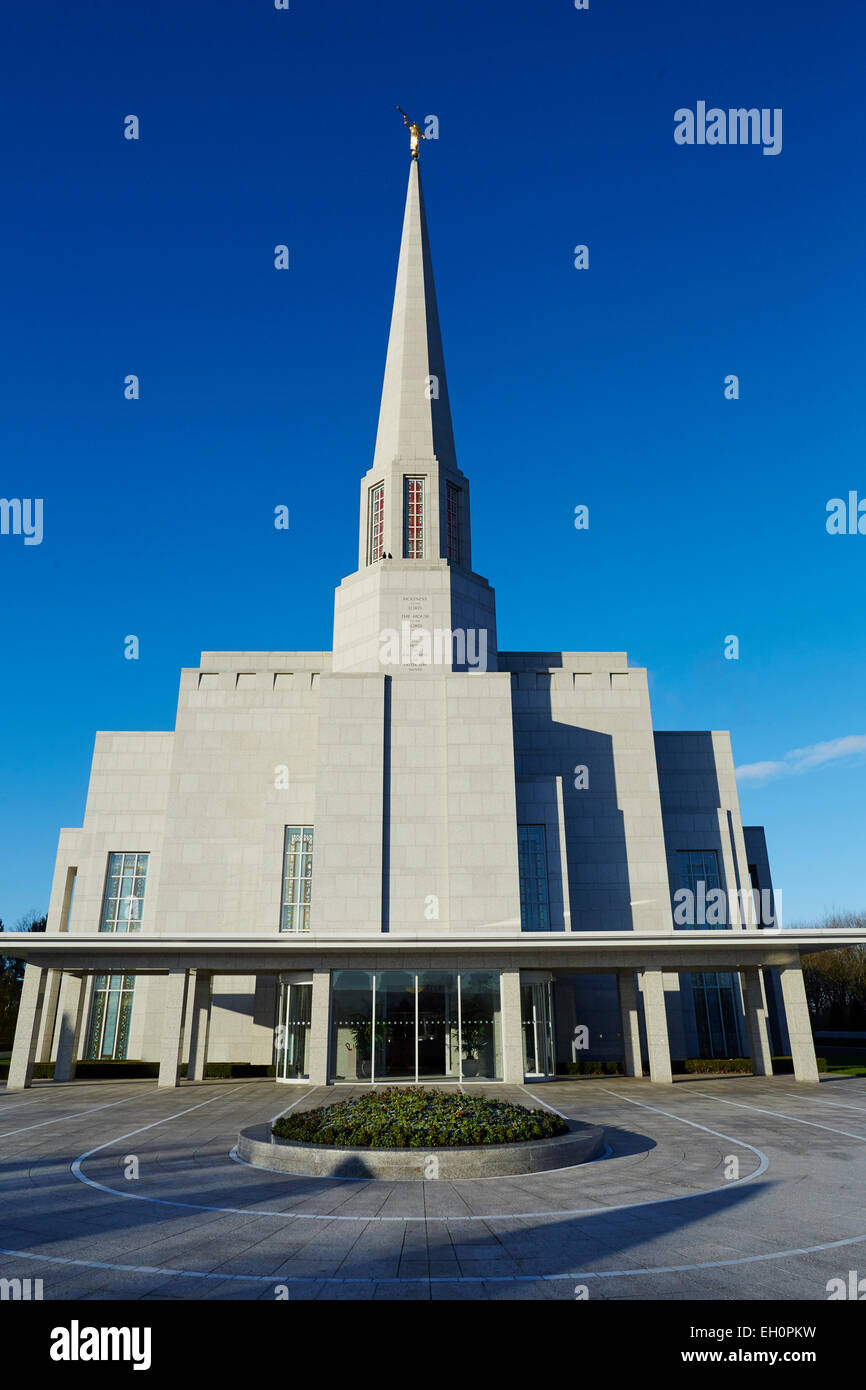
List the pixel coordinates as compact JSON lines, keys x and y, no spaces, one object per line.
{"x":443,"y":1278}
{"x":763,"y":1165}
{"x":436,"y":1279}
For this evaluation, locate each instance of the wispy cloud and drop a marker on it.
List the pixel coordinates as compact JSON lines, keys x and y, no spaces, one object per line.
{"x":803,"y":759}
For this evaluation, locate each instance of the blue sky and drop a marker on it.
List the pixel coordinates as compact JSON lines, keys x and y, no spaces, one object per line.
{"x":603,"y":387}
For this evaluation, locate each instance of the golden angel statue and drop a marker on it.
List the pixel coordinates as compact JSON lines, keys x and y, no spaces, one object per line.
{"x":416,"y":134}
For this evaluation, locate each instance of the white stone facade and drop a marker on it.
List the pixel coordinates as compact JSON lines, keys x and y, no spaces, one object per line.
{"x":419,"y":779}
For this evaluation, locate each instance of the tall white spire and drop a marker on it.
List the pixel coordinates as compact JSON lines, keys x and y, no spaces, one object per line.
{"x":414,"y":534}
{"x":415,"y":416}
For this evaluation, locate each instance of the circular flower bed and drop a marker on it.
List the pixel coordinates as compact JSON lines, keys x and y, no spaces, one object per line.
{"x":399,"y":1118}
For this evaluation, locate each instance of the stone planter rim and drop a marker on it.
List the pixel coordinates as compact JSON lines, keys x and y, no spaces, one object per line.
{"x":582,"y":1143}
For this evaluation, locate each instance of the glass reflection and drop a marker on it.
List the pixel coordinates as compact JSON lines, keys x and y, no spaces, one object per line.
{"x":403,"y":1025}
{"x":352,"y":1025}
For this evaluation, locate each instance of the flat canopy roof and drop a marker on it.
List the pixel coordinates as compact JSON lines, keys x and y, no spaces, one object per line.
{"x":722,"y":949}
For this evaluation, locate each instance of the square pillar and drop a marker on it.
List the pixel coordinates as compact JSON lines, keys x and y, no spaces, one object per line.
{"x":172,"y":1027}
{"x":71,"y":1015}
{"x":320,"y":1027}
{"x":628,"y":1015}
{"x":799,"y":1023}
{"x":49,"y":1016}
{"x":656,"y":1019}
{"x":512,"y":1029}
{"x":199,"y":1025}
{"x":27,"y":1028}
{"x":756,"y":1020}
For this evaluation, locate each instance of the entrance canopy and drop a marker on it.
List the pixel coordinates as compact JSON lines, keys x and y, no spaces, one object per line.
{"x":721,"y":949}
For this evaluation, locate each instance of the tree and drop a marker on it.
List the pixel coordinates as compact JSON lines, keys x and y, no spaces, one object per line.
{"x":836,"y":981}
{"x":12,"y":975}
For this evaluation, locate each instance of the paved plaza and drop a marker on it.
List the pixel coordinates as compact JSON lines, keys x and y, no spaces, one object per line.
{"x":739,"y":1188}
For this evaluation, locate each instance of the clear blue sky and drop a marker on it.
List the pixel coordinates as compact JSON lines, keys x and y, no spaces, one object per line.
{"x":604,"y":387}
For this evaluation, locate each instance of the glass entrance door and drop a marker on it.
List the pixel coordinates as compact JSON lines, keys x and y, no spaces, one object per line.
{"x":292,"y":1037}
{"x":395,"y":1025}
{"x":536,"y":1012}
{"x":438,"y":1026}
{"x":407,"y":1025}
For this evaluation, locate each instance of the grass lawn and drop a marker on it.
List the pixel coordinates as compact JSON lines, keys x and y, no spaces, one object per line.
{"x":844,"y":1061}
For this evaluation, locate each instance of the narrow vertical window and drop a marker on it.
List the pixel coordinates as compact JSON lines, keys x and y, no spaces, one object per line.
{"x":452,"y":503}
{"x":110,"y":1017}
{"x":413,"y":530}
{"x":714,"y":995}
{"x":376,"y":524}
{"x":297,"y":878}
{"x":534,"y":894}
{"x":699,"y":874}
{"x":124,"y":893}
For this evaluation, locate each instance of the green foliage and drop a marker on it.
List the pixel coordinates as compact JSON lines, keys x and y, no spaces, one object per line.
{"x":692,"y":1066}
{"x":42,"y":1071}
{"x":118,"y":1071}
{"x":136,"y":1070}
{"x":784,"y":1066}
{"x":845,"y":1061}
{"x":704,"y":1065}
{"x":697,"y":1066}
{"x":587,"y":1068}
{"x":10,"y":993}
{"x":836,"y":981}
{"x":11,"y":976}
{"x":474,"y":1032}
{"x":399,"y":1118}
{"x":224,"y":1070}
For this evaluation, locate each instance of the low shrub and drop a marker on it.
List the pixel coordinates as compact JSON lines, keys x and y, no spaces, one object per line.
{"x":709,"y":1065}
{"x":218,"y":1070}
{"x":136,"y":1070}
{"x":399,"y":1118}
{"x":784,"y":1066}
{"x":697,"y":1066}
{"x":42,"y":1071}
{"x":590,"y":1068}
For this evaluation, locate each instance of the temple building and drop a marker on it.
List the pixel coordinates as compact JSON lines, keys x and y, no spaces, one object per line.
{"x":414,"y":856}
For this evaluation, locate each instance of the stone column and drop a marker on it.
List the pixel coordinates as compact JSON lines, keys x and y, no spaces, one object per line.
{"x":49,"y":1015}
{"x":199,"y":1025}
{"x":628,"y":1015}
{"x":27,"y":1029}
{"x":71,"y":1016}
{"x":756,"y":1020}
{"x":799,"y":1023}
{"x":320,"y":1027}
{"x":655,"y":1017}
{"x":512,"y":1029}
{"x":172,"y":1027}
